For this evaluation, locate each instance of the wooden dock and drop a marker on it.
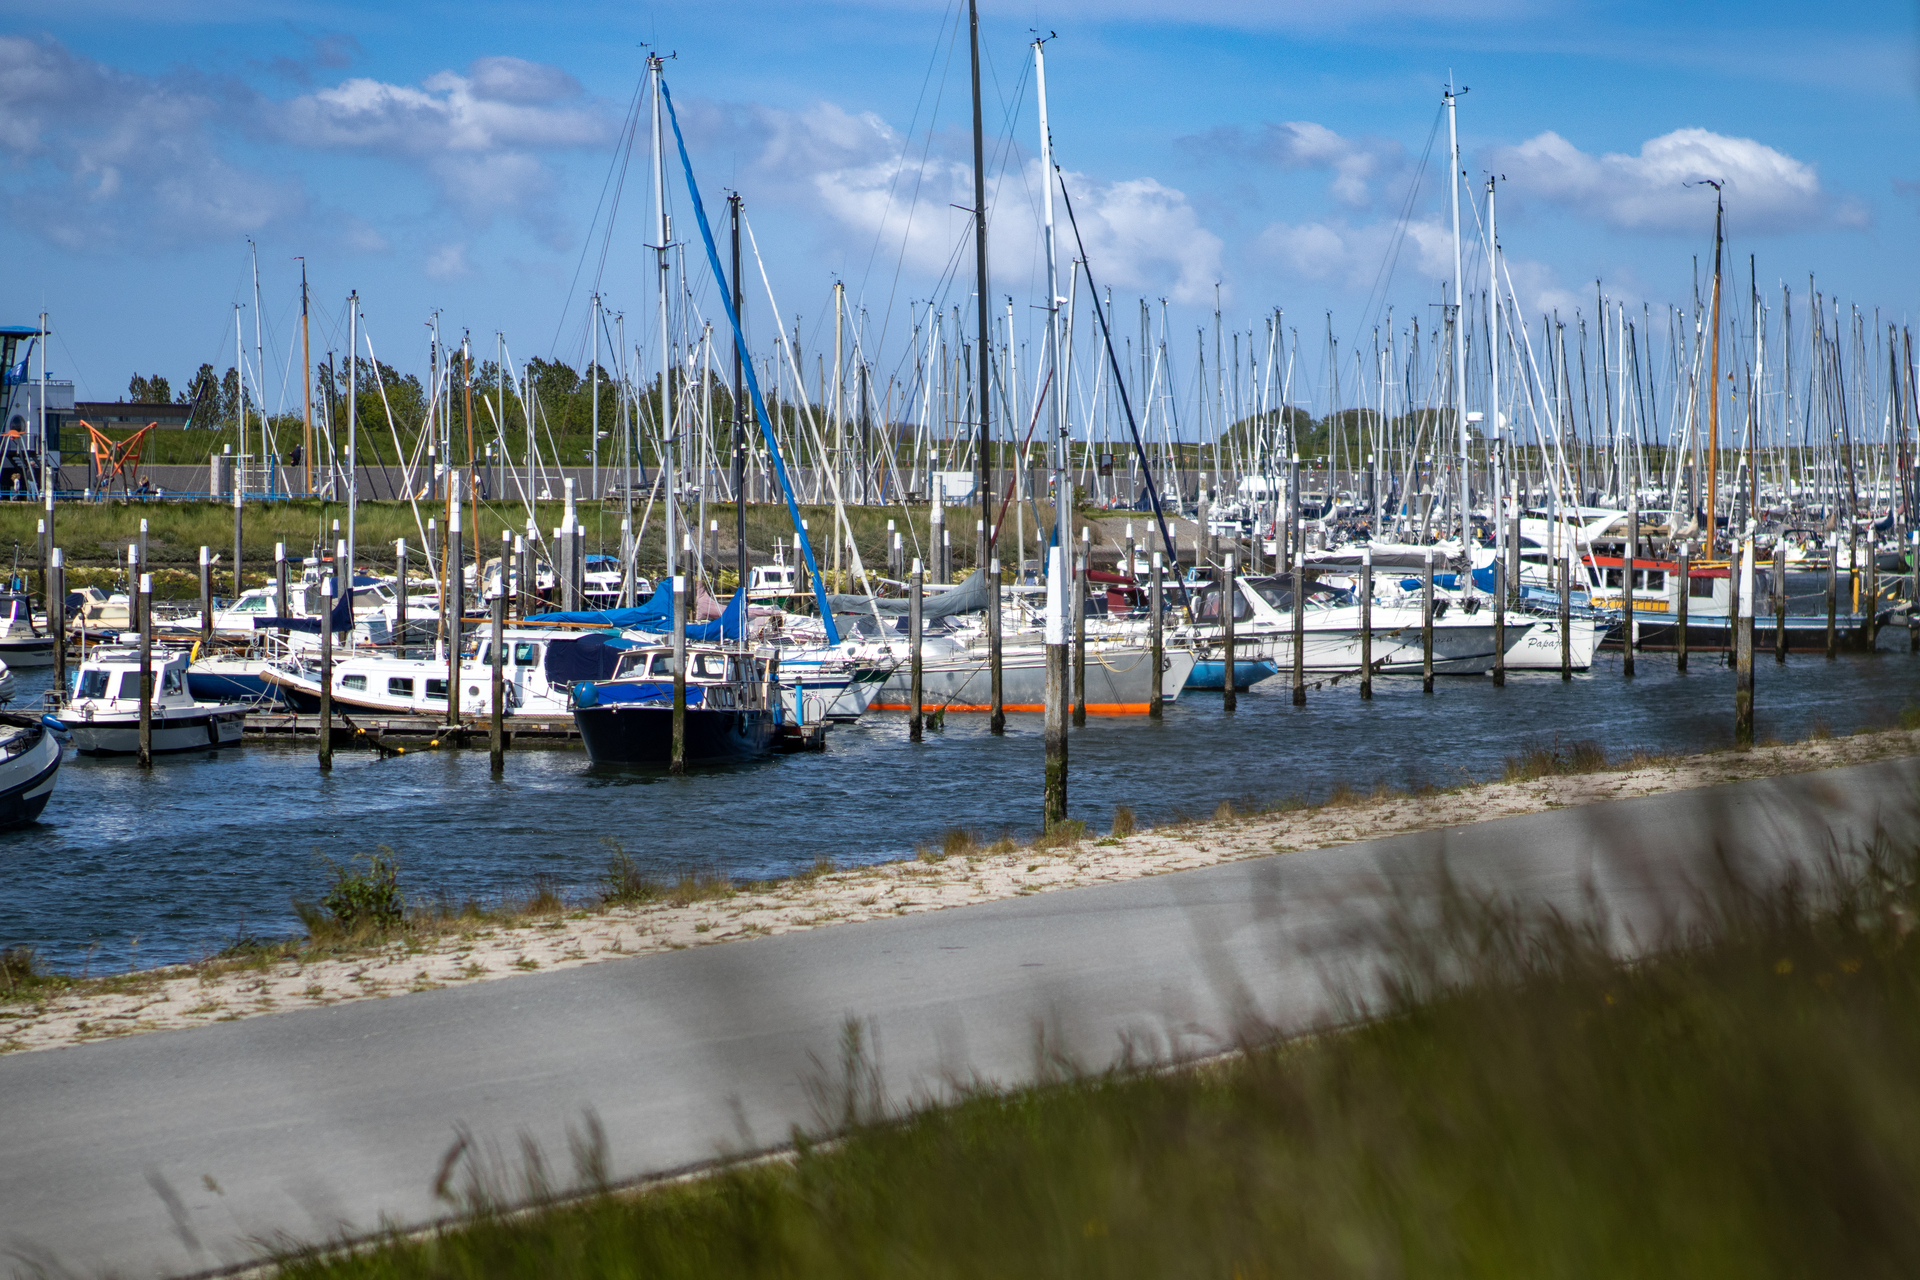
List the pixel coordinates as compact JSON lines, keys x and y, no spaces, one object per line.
{"x":385,"y":732}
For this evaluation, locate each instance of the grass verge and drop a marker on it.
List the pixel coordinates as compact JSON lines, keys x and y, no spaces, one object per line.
{"x":1745,"y":1105}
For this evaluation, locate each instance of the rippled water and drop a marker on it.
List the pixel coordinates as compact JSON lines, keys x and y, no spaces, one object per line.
{"x":173,"y":863}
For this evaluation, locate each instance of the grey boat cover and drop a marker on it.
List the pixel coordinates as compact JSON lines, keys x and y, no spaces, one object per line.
{"x":969,"y":597}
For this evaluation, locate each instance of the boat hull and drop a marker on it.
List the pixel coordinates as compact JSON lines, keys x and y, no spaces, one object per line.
{"x":26,"y":781}
{"x":1119,"y":681}
{"x":119,"y":734}
{"x":1805,"y":634}
{"x":26,"y":651}
{"x":642,"y":733}
{"x":1539,"y":648}
{"x":1211,"y":673}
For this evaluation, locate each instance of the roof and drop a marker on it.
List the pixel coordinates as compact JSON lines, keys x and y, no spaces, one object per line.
{"x":19,"y":331}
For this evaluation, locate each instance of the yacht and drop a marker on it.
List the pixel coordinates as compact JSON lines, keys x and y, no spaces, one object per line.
{"x":733,"y":707}
{"x":103,"y":713}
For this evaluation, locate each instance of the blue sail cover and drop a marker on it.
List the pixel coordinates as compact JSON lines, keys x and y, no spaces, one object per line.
{"x":341,"y":616}
{"x":656,"y":615}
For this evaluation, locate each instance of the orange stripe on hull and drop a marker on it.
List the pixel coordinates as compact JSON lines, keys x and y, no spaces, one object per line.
{"x":1093,"y":708}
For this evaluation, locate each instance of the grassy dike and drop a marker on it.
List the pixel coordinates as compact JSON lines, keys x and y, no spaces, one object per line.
{"x":95,"y":536}
{"x":1744,"y":1106}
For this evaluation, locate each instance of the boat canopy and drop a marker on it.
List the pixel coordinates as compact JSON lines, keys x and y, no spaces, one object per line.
{"x":656,"y":615}
{"x":587,"y":658}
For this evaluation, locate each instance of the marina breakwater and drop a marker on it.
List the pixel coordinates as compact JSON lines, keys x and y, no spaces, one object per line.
{"x":132,"y":867}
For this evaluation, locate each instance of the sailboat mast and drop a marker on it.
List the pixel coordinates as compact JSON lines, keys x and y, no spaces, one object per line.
{"x":353,"y":421}
{"x":306,"y":379}
{"x":1493,"y":400}
{"x":662,"y":230}
{"x":983,"y":463}
{"x":1459,"y":340}
{"x":739,"y":408}
{"x":595,"y":450}
{"x":1055,"y":728}
{"x":259,"y":354}
{"x":1713,"y":378}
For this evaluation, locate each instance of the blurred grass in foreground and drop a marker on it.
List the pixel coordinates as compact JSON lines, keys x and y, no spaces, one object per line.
{"x":1745,"y":1104}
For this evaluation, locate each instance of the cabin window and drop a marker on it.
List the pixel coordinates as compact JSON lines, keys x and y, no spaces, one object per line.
{"x":1613,"y":578}
{"x":662,"y":664}
{"x":358,"y":683}
{"x":1699,"y":588}
{"x":710,"y":666}
{"x":400,"y":686}
{"x":93,"y":684}
{"x":252,"y":604}
{"x":129,"y":686}
{"x":1652,"y":579}
{"x":436,"y":691}
{"x":175,"y":681}
{"x":525,"y":653}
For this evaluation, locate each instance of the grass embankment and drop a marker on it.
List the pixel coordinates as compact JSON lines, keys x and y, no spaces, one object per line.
{"x":1744,"y":1106}
{"x":95,"y":536}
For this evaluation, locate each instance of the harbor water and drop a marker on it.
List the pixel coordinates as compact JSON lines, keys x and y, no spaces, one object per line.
{"x":131,"y":866}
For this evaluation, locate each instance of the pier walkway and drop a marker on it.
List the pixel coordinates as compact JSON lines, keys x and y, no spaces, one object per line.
{"x":183,"y":1152}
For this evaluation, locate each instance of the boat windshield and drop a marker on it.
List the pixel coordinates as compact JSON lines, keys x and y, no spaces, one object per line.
{"x":1279,"y":593}
{"x":93,"y":684}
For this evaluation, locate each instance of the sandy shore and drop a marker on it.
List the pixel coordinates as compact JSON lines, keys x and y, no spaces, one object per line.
{"x":220,"y":991}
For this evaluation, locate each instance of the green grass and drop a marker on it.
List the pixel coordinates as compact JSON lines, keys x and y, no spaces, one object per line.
{"x":98,"y":534}
{"x":1747,"y":1105}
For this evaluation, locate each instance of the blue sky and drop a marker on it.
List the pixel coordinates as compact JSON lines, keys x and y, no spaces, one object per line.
{"x":450,"y":158}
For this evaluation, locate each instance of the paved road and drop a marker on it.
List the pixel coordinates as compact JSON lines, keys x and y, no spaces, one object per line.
{"x":178,"y":1152}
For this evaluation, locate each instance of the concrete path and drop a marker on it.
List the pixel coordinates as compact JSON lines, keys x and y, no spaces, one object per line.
{"x":181,"y":1152}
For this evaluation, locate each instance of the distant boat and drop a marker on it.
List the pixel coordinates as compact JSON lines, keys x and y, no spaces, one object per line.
{"x":22,"y":644}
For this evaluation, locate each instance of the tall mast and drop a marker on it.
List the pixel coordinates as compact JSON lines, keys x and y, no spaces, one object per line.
{"x":1713,"y":377}
{"x":739,"y":406}
{"x":1055,"y":729}
{"x":595,"y":450}
{"x":1493,"y":399}
{"x":306,"y":379}
{"x":353,"y":422}
{"x":1459,"y":340}
{"x":983,"y":462}
{"x":259,"y":353}
{"x":239,"y":400}
{"x":662,"y":231}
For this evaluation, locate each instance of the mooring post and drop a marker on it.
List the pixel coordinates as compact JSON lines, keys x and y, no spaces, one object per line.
{"x":997,"y":708}
{"x":1913,"y":595}
{"x":1156,"y":644}
{"x":916,"y":711}
{"x":1743,"y":650}
{"x":893,"y":552}
{"x":526,"y":579}
{"x":1499,"y":623}
{"x":1627,"y":636}
{"x":1566,"y":608}
{"x":1780,"y":600}
{"x":326,"y":669}
{"x":399,"y":587}
{"x":283,"y":600}
{"x":1300,"y":616}
{"x":1055,"y":732}
{"x":238,"y":487}
{"x":146,"y":670}
{"x":1426,"y":624}
{"x":678,"y":762}
{"x":454,"y":604}
{"x":1870,"y":620}
{"x":1229,"y":588}
{"x":206,"y":598}
{"x":57,"y":616}
{"x":1833,"y":603}
{"x":1079,"y":642}
{"x":498,"y":743}
{"x":1680,"y":609}
{"x":1366,"y":623}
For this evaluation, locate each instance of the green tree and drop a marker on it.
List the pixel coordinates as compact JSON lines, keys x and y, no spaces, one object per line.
{"x":149,"y":390}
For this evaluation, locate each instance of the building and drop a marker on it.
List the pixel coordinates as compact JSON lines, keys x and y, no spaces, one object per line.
{"x":116,"y":415}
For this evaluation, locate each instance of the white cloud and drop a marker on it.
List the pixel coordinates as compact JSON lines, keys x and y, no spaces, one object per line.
{"x":1354,"y":257}
{"x":855,"y":170}
{"x":101,"y":158}
{"x":448,"y":262}
{"x":1357,"y":164}
{"x":1766,"y":190}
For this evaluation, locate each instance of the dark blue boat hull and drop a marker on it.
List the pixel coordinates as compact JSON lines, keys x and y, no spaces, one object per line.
{"x":629,"y":733}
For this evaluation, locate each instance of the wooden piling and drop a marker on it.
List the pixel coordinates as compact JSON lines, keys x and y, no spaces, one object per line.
{"x":1156,"y":645}
{"x":1780,"y":601}
{"x":1913,"y":595}
{"x":1681,"y":609}
{"x":283,"y":600}
{"x":146,"y":670}
{"x":1870,"y":619}
{"x":916,"y":707}
{"x":1054,"y":804}
{"x":453,"y":604}
{"x":1743,"y":650}
{"x":1366,"y":624}
{"x":1299,"y":619}
{"x":238,"y":521}
{"x":1080,"y":642}
{"x":1499,"y":624}
{"x":1833,"y":604}
{"x":399,"y":587}
{"x":677,"y":762}
{"x":1426,"y":625}
{"x":326,"y":668}
{"x":996,"y":688}
{"x":1229,"y":587}
{"x":57,"y":616}
{"x":1566,"y":607}
{"x":206,"y":597}
{"x":497,"y":742}
{"x":1627,"y":636}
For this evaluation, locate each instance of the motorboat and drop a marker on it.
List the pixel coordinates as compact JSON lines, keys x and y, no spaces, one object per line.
{"x":539,"y":667}
{"x":29,"y":760}
{"x":22,"y":643}
{"x":733,"y":707}
{"x":103,"y":713}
